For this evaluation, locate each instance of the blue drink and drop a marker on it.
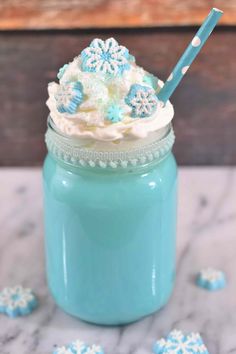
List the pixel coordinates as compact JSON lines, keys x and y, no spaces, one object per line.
{"x":110,"y":229}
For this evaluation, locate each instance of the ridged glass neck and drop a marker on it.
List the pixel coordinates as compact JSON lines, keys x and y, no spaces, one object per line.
{"x":75,"y":152}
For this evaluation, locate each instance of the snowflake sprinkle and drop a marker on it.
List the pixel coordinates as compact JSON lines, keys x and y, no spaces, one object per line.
{"x":211,"y":279}
{"x":106,"y":57}
{"x":69,"y":97}
{"x":17,"y":301}
{"x":178,"y":343}
{"x":78,"y":347}
{"x":143,"y":101}
{"x":114,"y":113}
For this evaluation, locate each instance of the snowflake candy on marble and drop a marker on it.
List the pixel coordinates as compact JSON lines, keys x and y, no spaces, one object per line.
{"x":61,"y":71}
{"x":76,"y":347}
{"x":17,"y":301}
{"x":69,"y":97}
{"x":142,"y":100}
{"x":94,"y":349}
{"x":211,"y":279}
{"x":106,"y":56}
{"x":178,"y":343}
{"x":79,"y":347}
{"x":63,"y":350}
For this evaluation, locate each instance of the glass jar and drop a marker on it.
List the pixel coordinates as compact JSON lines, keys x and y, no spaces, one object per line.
{"x":110,"y":227}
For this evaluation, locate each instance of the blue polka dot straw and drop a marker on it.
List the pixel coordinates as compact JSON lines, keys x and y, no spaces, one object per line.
{"x":189,"y":55}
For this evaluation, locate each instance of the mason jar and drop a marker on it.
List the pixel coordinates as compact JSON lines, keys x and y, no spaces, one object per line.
{"x":110,"y":225}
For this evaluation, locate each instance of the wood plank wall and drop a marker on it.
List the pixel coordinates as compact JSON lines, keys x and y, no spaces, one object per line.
{"x":41,"y":14}
{"x":205,"y":102}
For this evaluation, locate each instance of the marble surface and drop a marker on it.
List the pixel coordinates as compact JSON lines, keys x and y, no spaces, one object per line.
{"x":206,"y":236}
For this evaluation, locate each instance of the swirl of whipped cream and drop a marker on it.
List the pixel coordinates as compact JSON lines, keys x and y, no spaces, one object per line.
{"x":100,"y":91}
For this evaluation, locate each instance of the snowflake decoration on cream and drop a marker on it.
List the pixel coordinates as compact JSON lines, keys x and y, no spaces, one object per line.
{"x":79,"y":347}
{"x":211,"y":279}
{"x":69,"y":97}
{"x":114,"y":113}
{"x":106,"y":56}
{"x":142,"y":100}
{"x":17,"y":301}
{"x":178,"y":343}
{"x":61,"y":71}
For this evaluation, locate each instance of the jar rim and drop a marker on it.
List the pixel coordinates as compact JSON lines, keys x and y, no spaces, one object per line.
{"x":70,"y":150}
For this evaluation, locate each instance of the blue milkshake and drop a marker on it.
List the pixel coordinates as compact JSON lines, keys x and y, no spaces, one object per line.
{"x":109,"y":189}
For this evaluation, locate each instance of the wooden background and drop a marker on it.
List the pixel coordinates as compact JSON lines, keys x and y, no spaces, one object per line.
{"x":205,"y":102}
{"x":63,"y":14}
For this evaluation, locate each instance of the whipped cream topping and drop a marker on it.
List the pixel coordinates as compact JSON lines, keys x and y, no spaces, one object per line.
{"x":92,"y":102}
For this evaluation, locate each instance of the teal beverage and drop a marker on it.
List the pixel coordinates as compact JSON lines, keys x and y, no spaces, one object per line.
{"x":109,"y":188}
{"x":110,"y":235}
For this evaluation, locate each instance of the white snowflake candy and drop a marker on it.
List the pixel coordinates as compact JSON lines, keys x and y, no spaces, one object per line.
{"x":78,"y":347}
{"x":63,"y":350}
{"x":17,"y":301}
{"x":142,"y":100}
{"x":179,"y":343}
{"x":211,"y":279}
{"x":106,"y":56}
{"x":94,"y":349}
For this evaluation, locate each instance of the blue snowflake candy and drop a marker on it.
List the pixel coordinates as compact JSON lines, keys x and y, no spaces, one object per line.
{"x":105,"y":56}
{"x":61,"y":71}
{"x":142,"y":100}
{"x":114,"y":113}
{"x":79,"y":347}
{"x":178,"y":343}
{"x":17,"y":301}
{"x":69,"y":97}
{"x":211,"y":279}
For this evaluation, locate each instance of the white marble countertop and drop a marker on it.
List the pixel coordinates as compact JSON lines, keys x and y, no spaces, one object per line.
{"x":206,"y":236}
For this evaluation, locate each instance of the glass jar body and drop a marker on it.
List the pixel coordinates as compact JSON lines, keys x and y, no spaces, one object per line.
{"x":110,"y":239}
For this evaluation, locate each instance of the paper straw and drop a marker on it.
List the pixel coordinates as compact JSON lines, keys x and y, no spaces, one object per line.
{"x":189,"y":55}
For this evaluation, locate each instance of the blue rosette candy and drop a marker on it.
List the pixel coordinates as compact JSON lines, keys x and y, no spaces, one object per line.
{"x":211,"y":279}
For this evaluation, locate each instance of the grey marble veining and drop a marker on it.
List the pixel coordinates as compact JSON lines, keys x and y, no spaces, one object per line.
{"x":206,"y":236}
